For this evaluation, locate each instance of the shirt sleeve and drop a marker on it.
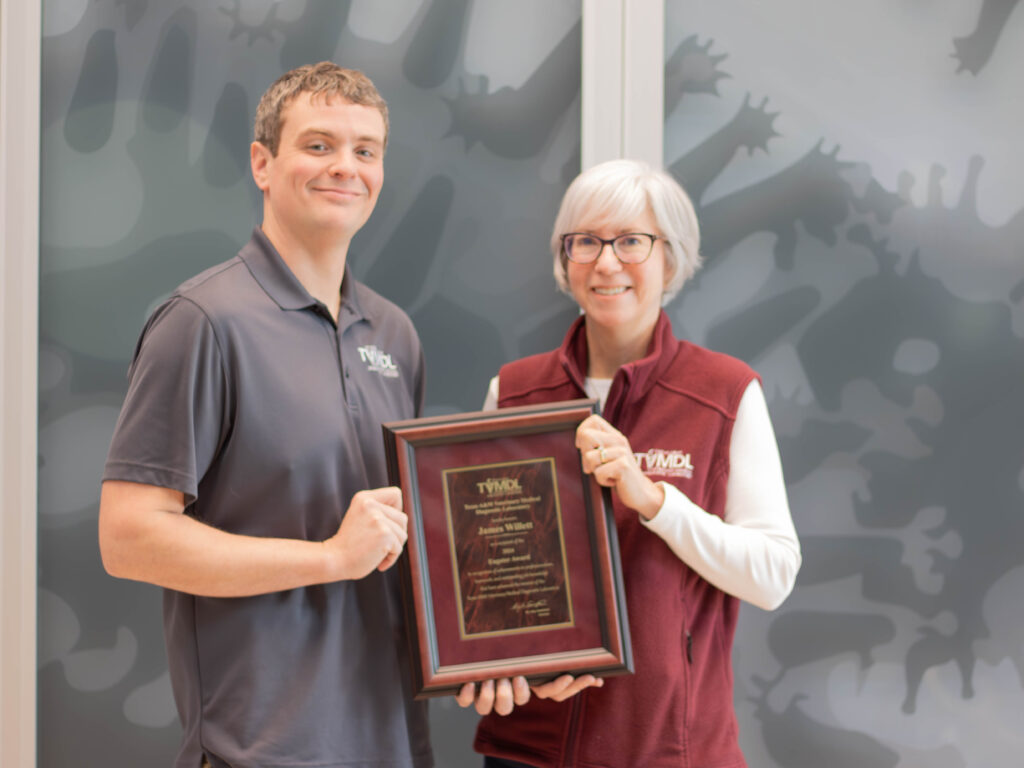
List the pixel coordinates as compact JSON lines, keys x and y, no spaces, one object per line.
{"x":753,"y":553}
{"x":176,"y":413}
{"x":491,"y":399}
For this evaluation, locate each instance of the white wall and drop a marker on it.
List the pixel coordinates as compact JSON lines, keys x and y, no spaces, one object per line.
{"x":19,"y":217}
{"x":623,"y":80}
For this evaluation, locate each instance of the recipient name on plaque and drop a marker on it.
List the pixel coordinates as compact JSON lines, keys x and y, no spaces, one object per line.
{"x":508,"y":547}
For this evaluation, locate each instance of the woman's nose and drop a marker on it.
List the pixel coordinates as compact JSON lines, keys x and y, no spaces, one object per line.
{"x":606,"y":259}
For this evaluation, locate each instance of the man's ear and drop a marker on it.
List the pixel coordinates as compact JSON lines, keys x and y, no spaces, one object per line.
{"x":260,"y":159}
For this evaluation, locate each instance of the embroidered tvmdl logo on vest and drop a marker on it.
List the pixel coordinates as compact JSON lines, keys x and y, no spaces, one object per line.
{"x":658,"y":461}
{"x":378,"y":361}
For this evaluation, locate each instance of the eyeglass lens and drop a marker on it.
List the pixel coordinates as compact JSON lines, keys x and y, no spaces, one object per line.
{"x":631,"y":247}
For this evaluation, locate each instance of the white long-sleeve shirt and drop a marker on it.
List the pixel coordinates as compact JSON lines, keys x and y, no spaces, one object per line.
{"x":753,"y":552}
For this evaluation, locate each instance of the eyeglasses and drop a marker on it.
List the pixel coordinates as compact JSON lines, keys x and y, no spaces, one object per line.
{"x":630,"y":248}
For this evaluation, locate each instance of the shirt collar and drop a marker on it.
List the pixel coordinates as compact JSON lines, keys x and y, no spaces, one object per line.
{"x":351,"y":310}
{"x":280,"y":283}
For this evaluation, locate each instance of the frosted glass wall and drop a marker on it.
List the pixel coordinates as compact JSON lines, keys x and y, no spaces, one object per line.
{"x":146,"y":122}
{"x":858,"y":169}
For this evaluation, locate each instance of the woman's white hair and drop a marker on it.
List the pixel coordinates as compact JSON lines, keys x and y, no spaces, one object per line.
{"x":617,"y":192}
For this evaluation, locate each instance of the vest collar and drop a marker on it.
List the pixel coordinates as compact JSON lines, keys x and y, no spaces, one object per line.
{"x":633,"y":380}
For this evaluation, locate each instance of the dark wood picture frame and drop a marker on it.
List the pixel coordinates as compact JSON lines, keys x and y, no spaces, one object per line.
{"x":512,"y":564}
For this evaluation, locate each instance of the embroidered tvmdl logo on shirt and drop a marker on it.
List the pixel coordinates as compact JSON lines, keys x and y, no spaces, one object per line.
{"x":658,"y":461}
{"x":378,"y":361}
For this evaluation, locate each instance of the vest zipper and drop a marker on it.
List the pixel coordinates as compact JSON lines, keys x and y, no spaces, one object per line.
{"x":572,"y":736}
{"x":687,"y":696}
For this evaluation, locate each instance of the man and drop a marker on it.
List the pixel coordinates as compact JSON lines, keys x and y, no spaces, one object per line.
{"x":245,"y":475}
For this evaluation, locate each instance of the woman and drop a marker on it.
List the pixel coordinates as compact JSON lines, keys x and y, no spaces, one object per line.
{"x":686,"y":445}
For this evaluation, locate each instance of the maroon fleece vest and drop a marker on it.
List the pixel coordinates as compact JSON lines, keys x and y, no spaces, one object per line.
{"x":677,"y":407}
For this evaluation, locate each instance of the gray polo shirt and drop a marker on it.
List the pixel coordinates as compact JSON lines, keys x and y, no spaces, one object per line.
{"x":245,"y":396}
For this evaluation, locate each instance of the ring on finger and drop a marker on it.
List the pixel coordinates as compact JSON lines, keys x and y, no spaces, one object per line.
{"x":601,"y":453}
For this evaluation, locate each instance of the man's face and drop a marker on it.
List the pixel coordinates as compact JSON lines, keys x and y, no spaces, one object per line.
{"x":326,"y":177}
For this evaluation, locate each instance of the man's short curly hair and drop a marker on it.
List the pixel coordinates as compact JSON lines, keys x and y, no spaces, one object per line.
{"x":326,"y":80}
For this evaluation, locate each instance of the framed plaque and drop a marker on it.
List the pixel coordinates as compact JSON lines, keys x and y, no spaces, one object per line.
{"x":512,"y":563}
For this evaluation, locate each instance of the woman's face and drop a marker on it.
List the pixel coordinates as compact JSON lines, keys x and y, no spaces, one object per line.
{"x":619,"y":297}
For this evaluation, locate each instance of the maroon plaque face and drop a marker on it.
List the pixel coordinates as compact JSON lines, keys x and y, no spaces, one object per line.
{"x":512,"y":566}
{"x":508,"y":547}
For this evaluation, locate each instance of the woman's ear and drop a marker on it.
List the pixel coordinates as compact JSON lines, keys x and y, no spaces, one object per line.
{"x":671,"y":265}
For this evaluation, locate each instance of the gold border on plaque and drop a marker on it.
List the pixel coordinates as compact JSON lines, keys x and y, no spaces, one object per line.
{"x":454,"y":557}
